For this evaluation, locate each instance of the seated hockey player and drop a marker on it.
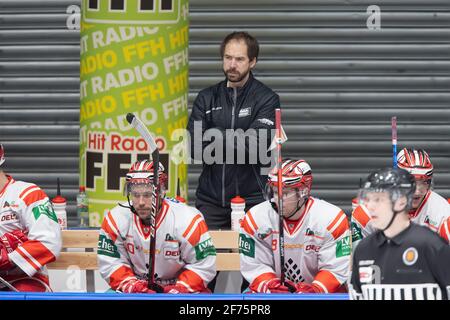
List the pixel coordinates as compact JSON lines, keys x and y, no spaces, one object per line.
{"x":185,"y":257}
{"x":428,"y":208}
{"x":316,"y":237}
{"x":401,"y":259}
{"x":30,"y":236}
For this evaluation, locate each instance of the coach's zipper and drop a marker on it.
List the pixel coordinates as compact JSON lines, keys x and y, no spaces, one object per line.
{"x":232,"y":127}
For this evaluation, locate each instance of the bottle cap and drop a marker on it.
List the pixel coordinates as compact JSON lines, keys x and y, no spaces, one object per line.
{"x":238,"y":200}
{"x":82,"y":188}
{"x":59,"y":199}
{"x":180,"y":199}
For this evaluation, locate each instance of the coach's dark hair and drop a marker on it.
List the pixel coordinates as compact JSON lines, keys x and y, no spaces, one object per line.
{"x":250,"y":41}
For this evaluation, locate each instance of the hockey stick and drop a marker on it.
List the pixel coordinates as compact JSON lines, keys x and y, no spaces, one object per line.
{"x":279,"y":141}
{"x":394,"y":141}
{"x":143,"y":131}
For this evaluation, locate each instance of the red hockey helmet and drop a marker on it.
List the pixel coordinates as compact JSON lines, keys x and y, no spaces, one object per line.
{"x":416,"y":162}
{"x":295,"y":174}
{"x":2,"y":154}
{"x":141,"y":172}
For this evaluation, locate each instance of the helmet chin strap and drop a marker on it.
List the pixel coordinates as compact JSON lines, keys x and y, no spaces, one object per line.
{"x":393,"y":217}
{"x":133,"y":209}
{"x":130,"y":206}
{"x":299,"y":206}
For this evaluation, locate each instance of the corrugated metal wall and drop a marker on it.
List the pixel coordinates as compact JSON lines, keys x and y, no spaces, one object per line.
{"x":39,"y":94}
{"x":339,"y":83}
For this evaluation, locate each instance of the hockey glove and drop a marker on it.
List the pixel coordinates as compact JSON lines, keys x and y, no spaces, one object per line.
{"x":136,"y":286}
{"x":8,"y":243}
{"x":274,"y":286}
{"x":176,"y":289}
{"x":180,"y":289}
{"x":307,"y":288}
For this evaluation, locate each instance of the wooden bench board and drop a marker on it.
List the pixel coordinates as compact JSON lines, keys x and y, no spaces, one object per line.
{"x":87,"y":239}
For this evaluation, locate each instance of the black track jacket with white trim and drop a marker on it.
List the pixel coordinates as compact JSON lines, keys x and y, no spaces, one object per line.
{"x":221,"y":107}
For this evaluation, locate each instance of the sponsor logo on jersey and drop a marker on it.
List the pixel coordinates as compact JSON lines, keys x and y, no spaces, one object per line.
{"x":356,"y":232}
{"x":430,"y":222}
{"x":343,"y":247}
{"x":293,"y":245}
{"x":9,"y":217}
{"x":169,"y":237}
{"x":171,"y":254}
{"x":10,"y":205}
{"x":410,"y":256}
{"x":246,"y":246}
{"x":45,"y":209}
{"x":312,"y":247}
{"x":107,"y":247}
{"x":293,"y":271}
{"x":204,"y":249}
{"x":311,"y":233}
{"x":263,"y":235}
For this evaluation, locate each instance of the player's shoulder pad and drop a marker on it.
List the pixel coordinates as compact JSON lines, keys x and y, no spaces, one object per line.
{"x":326,"y":210}
{"x":122,"y":216}
{"x":263,"y":213}
{"x":21,"y":187}
{"x":439,"y":200}
{"x":181,"y":209}
{"x":172,"y":200}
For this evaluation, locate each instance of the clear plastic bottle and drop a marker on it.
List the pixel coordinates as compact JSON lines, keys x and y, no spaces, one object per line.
{"x":237,"y":212}
{"x":83,"y":207}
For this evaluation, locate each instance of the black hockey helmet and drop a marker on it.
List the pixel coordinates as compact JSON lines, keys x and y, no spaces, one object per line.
{"x":397,"y":182}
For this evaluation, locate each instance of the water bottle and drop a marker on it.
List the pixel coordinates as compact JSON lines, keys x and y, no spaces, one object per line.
{"x":237,"y":212}
{"x":83,"y":207}
{"x":59,"y":206}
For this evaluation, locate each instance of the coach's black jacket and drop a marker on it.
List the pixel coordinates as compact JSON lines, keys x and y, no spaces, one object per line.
{"x":252,"y":106}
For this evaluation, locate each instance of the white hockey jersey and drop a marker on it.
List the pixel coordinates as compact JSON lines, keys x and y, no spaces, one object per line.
{"x":24,"y":206}
{"x":434,"y":213}
{"x":316,"y":247}
{"x":184,"y":251}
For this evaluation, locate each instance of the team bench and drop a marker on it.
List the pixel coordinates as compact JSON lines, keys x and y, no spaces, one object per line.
{"x":226,"y":243}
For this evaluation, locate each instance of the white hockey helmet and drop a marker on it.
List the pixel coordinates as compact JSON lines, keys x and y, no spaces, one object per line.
{"x":141,"y":172}
{"x":295,"y":174}
{"x":416,"y":162}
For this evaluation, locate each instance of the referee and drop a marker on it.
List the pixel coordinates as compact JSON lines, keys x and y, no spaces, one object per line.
{"x":402,"y":260}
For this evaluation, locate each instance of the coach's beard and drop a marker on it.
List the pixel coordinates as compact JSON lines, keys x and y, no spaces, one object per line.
{"x":234,"y":76}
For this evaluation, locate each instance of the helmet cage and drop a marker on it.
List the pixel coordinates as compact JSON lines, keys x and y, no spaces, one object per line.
{"x":302,"y":192}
